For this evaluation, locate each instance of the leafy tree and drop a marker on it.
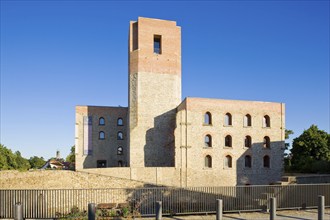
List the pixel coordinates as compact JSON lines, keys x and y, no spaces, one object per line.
{"x":72,"y":156}
{"x":22,"y":163}
{"x":37,"y":162}
{"x":287,"y":154}
{"x":288,"y":133}
{"x":12,"y":161}
{"x":311,"y":151}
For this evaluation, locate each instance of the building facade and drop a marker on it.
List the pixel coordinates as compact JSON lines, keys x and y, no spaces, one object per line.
{"x":163,"y":140}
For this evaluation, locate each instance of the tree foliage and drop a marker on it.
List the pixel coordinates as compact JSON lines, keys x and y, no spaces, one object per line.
{"x":72,"y":156}
{"x":37,"y":162}
{"x":311,"y":151}
{"x":12,"y":161}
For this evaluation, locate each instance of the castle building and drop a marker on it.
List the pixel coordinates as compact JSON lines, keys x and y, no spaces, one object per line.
{"x":163,"y":140}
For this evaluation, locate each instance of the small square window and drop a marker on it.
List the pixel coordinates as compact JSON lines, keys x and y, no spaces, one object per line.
{"x":101,"y":163}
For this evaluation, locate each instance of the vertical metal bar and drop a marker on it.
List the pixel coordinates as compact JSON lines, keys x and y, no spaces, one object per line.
{"x":320,"y":210}
{"x":219,"y":209}
{"x":272,"y":208}
{"x":158,"y":210}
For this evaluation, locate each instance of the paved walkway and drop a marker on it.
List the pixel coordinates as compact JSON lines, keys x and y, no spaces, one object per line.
{"x":281,"y":215}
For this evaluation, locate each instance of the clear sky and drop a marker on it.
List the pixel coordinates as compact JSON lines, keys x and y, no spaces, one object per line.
{"x":59,"y":54}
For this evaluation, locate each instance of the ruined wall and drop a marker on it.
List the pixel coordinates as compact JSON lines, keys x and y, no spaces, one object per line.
{"x":101,"y":149}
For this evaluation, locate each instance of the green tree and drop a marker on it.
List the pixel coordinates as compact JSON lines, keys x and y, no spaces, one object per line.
{"x":12,"y":161}
{"x":22,"y":163}
{"x":311,"y":151}
{"x":36,"y":162}
{"x":72,"y":156}
{"x":287,"y":154}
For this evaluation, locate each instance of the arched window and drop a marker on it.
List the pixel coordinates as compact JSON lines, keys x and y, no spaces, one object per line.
{"x":248,"y":161}
{"x":228,"y":119}
{"x":266,"y":142}
{"x":120,"y":136}
{"x":101,"y":135}
{"x":208,"y":141}
{"x":120,"y":163}
{"x":120,"y":122}
{"x":101,"y":121}
{"x":120,"y":150}
{"x":208,"y":161}
{"x":207,"y":118}
{"x":228,"y":141}
{"x":247,"y":141}
{"x":266,"y":161}
{"x":228,"y":161}
{"x":266,"y":121}
{"x":247,"y":120}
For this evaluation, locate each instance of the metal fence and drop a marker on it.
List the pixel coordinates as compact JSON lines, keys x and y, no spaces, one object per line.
{"x":54,"y":203}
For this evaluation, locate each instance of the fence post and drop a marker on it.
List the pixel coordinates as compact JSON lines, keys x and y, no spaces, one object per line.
{"x":219,"y":209}
{"x":91,"y":211}
{"x":320,"y":210}
{"x":158,"y":210}
{"x":18,"y":214}
{"x":272,"y":208}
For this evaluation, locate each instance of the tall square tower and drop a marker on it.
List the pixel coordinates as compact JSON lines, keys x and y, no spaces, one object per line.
{"x":154,"y":91}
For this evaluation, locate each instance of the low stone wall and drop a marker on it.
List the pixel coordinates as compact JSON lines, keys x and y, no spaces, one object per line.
{"x":313,"y":179}
{"x":62,"y":179}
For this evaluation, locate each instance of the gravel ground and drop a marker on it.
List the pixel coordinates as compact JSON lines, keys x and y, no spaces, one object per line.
{"x":310,"y":214}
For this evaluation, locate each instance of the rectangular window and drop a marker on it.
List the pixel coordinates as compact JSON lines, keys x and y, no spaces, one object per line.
{"x":101,"y":163}
{"x":157,"y":44}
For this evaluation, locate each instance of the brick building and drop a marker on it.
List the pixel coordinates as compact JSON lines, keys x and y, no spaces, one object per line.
{"x":163,"y":140}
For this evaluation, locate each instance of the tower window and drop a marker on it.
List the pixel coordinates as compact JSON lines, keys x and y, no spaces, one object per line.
{"x":101,"y":121}
{"x":228,"y":119}
{"x":247,"y":141}
{"x":208,"y":141}
{"x":247,"y":120}
{"x":248,"y":161}
{"x":101,"y":135}
{"x":228,"y":161}
{"x":120,"y":163}
{"x":119,"y":150}
{"x":157,"y":44}
{"x":266,"y":121}
{"x":101,"y":163}
{"x":266,"y":161}
{"x":228,"y":141}
{"x":120,"y":122}
{"x":208,"y":161}
{"x":120,"y":136}
{"x":207,"y":118}
{"x":266,"y":142}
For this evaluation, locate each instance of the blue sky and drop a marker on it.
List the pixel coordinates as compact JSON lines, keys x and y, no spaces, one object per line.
{"x":59,"y":54}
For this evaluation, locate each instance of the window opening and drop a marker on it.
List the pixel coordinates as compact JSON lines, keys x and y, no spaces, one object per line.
{"x":208,"y":140}
{"x":248,"y":161}
{"x":207,"y":118}
{"x":228,"y":119}
{"x":208,"y":161}
{"x":101,"y":163}
{"x":101,"y":121}
{"x":120,"y":135}
{"x":101,"y":135}
{"x":228,"y":141}
{"x":266,"y":161}
{"x":157,"y":44}
{"x":228,"y":161}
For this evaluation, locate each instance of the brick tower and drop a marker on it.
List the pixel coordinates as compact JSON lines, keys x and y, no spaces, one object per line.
{"x":154,"y":91}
